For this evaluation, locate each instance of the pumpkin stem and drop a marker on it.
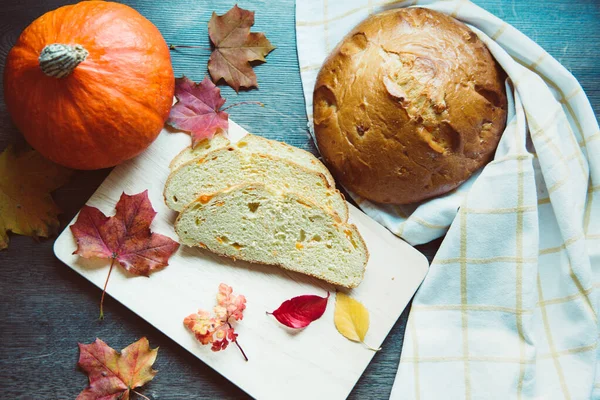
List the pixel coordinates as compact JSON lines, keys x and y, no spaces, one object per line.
{"x":59,"y":60}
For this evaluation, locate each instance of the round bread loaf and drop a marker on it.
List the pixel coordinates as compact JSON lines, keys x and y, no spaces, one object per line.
{"x":408,"y":106}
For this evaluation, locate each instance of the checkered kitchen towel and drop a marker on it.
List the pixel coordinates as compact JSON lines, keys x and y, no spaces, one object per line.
{"x":509,"y":307}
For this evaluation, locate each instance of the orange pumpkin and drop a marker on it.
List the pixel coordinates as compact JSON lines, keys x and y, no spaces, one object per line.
{"x":89,"y":85}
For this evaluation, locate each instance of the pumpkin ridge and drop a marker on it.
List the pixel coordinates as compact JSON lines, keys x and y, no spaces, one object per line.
{"x":94,"y":140}
{"x":148,"y":107}
{"x":104,"y":84}
{"x":122,"y":132}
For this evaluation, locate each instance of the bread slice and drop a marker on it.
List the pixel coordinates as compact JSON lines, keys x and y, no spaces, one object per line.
{"x":230,"y":166}
{"x":256,"y":144}
{"x":257,"y":223}
{"x":259,"y":144}
{"x":205,"y":146}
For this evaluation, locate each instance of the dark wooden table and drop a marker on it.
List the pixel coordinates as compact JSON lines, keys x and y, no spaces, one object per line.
{"x":46,"y":308}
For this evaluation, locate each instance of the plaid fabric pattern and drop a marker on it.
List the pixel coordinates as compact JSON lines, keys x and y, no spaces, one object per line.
{"x":509,"y":307}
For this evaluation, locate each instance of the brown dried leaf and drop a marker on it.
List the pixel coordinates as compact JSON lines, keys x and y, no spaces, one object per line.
{"x":235,"y":48}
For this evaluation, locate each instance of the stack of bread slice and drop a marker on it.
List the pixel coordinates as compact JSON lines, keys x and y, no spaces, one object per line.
{"x":265,"y":202}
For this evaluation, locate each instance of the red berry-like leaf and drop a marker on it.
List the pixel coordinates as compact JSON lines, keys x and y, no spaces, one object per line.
{"x":300,"y":311}
{"x":198,"y":109}
{"x":114,"y":375}
{"x":125,"y":237}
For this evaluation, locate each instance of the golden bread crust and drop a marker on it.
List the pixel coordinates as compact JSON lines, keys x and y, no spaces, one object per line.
{"x":408,"y":106}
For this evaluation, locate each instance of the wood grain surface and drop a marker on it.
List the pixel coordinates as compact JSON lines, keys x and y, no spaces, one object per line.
{"x":46,"y":308}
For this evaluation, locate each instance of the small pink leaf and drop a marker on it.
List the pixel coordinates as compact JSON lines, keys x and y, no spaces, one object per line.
{"x":217,"y":329}
{"x":300,"y":311}
{"x":198,"y":109}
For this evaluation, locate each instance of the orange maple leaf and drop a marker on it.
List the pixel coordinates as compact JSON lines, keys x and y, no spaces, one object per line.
{"x":114,"y":375}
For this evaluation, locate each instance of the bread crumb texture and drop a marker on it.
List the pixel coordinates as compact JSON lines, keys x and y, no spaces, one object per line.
{"x":230,"y":166}
{"x":254,"y":144}
{"x":408,"y":106}
{"x":257,"y":223}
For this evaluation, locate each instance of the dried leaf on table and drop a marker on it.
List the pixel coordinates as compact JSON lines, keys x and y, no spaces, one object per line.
{"x":235,"y":48}
{"x":114,"y":375}
{"x":351,"y":318}
{"x":26,"y":207}
{"x":300,"y":311}
{"x":125,"y":237}
{"x":198,"y":109}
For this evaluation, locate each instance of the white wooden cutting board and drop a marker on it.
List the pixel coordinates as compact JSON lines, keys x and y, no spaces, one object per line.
{"x":314,"y":363}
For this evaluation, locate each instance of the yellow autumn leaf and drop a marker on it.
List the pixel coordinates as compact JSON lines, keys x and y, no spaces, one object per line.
{"x":351,"y":318}
{"x":26,"y":207}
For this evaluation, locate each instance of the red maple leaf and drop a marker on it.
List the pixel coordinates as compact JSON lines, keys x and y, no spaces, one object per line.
{"x":113,"y":375}
{"x":300,"y":311}
{"x":125,"y":237}
{"x":198,"y":109}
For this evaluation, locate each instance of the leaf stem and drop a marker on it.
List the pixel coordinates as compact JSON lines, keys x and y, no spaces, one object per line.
{"x":112,"y":264}
{"x":183,"y":46}
{"x":370,"y":348}
{"x":237,"y":344}
{"x":243,"y":102}
{"x":139,"y":394}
